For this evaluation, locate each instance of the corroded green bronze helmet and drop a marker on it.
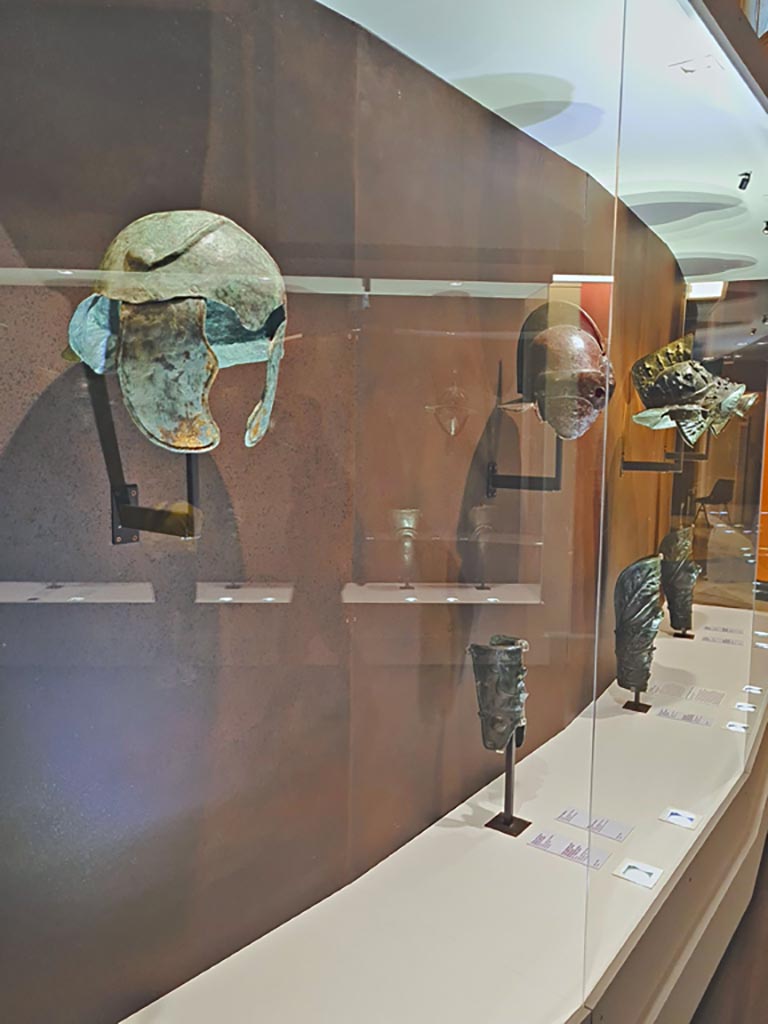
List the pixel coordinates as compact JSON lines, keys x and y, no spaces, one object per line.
{"x":182,"y":295}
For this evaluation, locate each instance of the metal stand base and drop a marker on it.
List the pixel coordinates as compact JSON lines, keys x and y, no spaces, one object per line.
{"x":506,"y":822}
{"x":636,"y":705}
{"x":513,"y":828}
{"x":683,"y":634}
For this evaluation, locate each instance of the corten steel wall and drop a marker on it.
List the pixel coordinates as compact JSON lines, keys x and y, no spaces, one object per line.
{"x":178,"y":779}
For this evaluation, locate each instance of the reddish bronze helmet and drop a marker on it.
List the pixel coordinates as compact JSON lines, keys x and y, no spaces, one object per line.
{"x":571,"y":379}
{"x":563,"y":369}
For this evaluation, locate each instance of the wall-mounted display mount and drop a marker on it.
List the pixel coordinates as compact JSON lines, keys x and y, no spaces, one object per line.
{"x":129,"y":519}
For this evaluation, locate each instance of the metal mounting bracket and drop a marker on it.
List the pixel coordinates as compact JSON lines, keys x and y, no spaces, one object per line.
{"x":129,"y":519}
{"x":496,"y":481}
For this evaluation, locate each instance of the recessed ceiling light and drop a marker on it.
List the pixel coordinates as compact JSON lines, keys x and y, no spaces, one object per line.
{"x":703,"y":291}
{"x":411,"y":600}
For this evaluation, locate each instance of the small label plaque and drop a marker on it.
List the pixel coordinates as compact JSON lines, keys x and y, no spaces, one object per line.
{"x":690,"y":717}
{"x":606,"y":827}
{"x":562,"y":846}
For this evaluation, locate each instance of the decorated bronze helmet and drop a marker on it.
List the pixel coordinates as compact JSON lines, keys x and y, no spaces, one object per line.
{"x":679,"y":391}
{"x":183,"y":294}
{"x":563,"y":368}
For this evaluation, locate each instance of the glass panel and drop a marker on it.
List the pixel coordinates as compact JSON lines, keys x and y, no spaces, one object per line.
{"x":684,"y":480}
{"x":249,"y":690}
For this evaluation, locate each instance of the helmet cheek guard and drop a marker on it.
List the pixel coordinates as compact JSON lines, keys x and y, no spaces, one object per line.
{"x":199,"y":294}
{"x":166,"y":369}
{"x":258,"y":421}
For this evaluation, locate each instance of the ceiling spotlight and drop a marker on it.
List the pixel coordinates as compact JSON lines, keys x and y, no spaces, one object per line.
{"x":744,"y":179}
{"x":706,"y":291}
{"x":765,"y":227}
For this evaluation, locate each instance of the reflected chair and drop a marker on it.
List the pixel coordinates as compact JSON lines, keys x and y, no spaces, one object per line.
{"x":721,"y":494}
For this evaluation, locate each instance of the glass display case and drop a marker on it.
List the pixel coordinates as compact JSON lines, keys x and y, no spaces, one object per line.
{"x":381,"y":461}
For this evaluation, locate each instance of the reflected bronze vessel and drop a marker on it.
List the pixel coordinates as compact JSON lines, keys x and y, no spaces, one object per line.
{"x":406,"y":525}
{"x":481,"y":519}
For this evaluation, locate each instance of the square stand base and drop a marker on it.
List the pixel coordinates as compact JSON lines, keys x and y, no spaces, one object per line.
{"x":514,"y":828}
{"x":635,"y":705}
{"x":683,"y":634}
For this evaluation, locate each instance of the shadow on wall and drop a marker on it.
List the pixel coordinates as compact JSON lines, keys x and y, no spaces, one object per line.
{"x":159,"y":759}
{"x":107,"y":710}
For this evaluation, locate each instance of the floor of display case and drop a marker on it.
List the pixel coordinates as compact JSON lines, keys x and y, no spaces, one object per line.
{"x":464,"y":923}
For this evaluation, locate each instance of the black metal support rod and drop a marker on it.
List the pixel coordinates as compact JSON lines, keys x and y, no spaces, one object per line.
{"x":193,"y":490}
{"x":129,"y":519}
{"x":105,"y":426}
{"x":519,"y":482}
{"x":157,"y":520}
{"x":509,"y":781}
{"x":651,"y":467}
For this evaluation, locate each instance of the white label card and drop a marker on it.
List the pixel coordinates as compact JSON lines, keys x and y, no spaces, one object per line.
{"x":638,"y":873}
{"x":683,"y":716}
{"x":676,"y":816}
{"x":729,"y":640}
{"x":606,"y":827}
{"x":701,"y":695}
{"x":753,"y":689}
{"x":678,"y":691}
{"x":669,"y":691}
{"x":562,"y":846}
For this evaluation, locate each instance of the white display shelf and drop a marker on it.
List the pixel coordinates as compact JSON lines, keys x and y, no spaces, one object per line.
{"x":466,"y":924}
{"x":21,"y":592}
{"x":244,"y":593}
{"x":57,"y":277}
{"x":441,"y":593}
{"x":521,"y":540}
